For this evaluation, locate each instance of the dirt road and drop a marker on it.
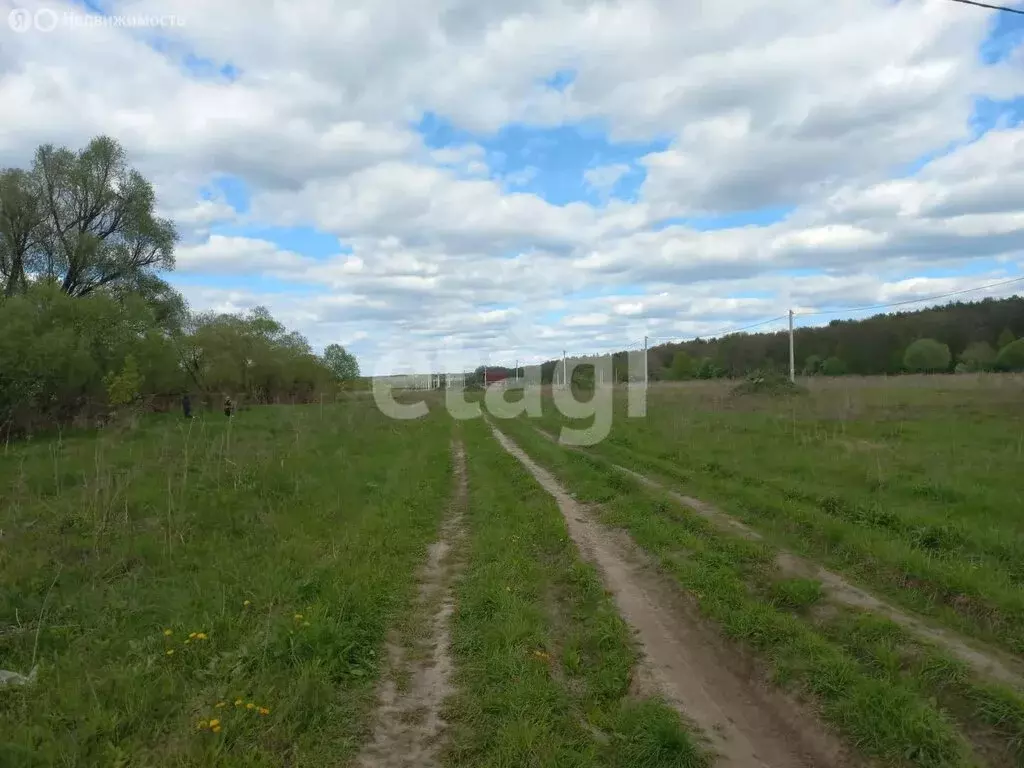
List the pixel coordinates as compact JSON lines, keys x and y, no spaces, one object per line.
{"x":408,"y":727}
{"x":746,"y":723}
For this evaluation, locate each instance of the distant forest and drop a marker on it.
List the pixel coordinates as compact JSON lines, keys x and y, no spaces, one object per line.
{"x":875,"y":345}
{"x":957,"y":337}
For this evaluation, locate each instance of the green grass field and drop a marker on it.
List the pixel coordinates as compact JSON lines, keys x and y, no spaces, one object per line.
{"x":285,"y":541}
{"x":911,"y":490}
{"x":227,"y":593}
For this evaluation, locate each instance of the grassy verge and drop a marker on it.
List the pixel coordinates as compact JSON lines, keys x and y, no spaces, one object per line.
{"x":991,"y":715}
{"x":210,"y":594}
{"x":886,"y":716}
{"x":912,"y":496}
{"x":543,"y":659}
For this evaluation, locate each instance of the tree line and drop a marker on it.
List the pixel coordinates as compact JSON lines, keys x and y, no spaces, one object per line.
{"x":956,"y":337}
{"x":87,"y":322}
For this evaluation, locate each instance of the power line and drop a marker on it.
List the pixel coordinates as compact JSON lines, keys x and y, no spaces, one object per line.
{"x":726,"y":332}
{"x":990,"y":7}
{"x":844,"y":310}
{"x":908,"y":301}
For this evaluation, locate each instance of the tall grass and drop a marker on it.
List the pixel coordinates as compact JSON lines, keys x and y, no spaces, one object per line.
{"x":912,"y":490}
{"x":211,"y":592}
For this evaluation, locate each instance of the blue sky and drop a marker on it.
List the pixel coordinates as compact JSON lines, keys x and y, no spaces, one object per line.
{"x":556,"y":158}
{"x":250,"y":123}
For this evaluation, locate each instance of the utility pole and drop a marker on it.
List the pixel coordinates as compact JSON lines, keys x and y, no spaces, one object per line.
{"x":645,"y":362}
{"x":792,"y":358}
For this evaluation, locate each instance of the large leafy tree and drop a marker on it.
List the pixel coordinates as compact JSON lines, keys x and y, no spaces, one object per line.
{"x":86,"y":320}
{"x":84,"y":220}
{"x":927,"y":356}
{"x":21,"y":228}
{"x":341,"y":363}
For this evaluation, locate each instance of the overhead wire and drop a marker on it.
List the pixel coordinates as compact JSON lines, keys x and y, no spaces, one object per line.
{"x":726,"y":332}
{"x":865,"y":308}
{"x":1003,"y":8}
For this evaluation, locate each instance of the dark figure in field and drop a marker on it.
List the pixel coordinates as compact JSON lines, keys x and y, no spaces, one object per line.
{"x":228,"y":405}
{"x":186,"y":406}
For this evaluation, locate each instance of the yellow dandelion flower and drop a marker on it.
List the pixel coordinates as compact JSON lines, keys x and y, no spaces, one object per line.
{"x":246,"y":604}
{"x":250,"y":705}
{"x":216,"y":729}
{"x":214,"y":723}
{"x":298,"y":617}
{"x":264,"y":711}
{"x":170,"y":651}
{"x":187,"y":642}
{"x":192,"y":635}
{"x":168,"y":632}
{"x":201,"y":636}
{"x":238,"y":702}
{"x":219,"y":704}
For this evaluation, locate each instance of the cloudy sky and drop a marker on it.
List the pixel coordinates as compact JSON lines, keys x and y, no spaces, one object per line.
{"x":492,"y":180}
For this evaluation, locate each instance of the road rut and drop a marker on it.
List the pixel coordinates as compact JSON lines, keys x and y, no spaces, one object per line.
{"x":408,"y":726}
{"x":747,"y":724}
{"x":988,"y":663}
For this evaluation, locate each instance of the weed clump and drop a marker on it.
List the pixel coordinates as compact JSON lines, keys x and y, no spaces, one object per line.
{"x":767,"y":383}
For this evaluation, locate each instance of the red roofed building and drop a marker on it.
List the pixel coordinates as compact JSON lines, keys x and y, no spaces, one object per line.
{"x":492,"y":376}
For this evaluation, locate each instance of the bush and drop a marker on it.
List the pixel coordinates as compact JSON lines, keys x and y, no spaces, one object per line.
{"x":833,"y":366}
{"x":1005,"y":338}
{"x":979,"y":356}
{"x":682,"y":367}
{"x":124,"y":388}
{"x":1011,"y":357}
{"x":927,"y":356}
{"x":767,"y":383}
{"x":708,"y":370}
{"x":812,"y":366}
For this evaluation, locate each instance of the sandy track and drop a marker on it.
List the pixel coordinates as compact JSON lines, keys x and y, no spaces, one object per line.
{"x":989,"y":663}
{"x":747,"y":724}
{"x":408,"y":726}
